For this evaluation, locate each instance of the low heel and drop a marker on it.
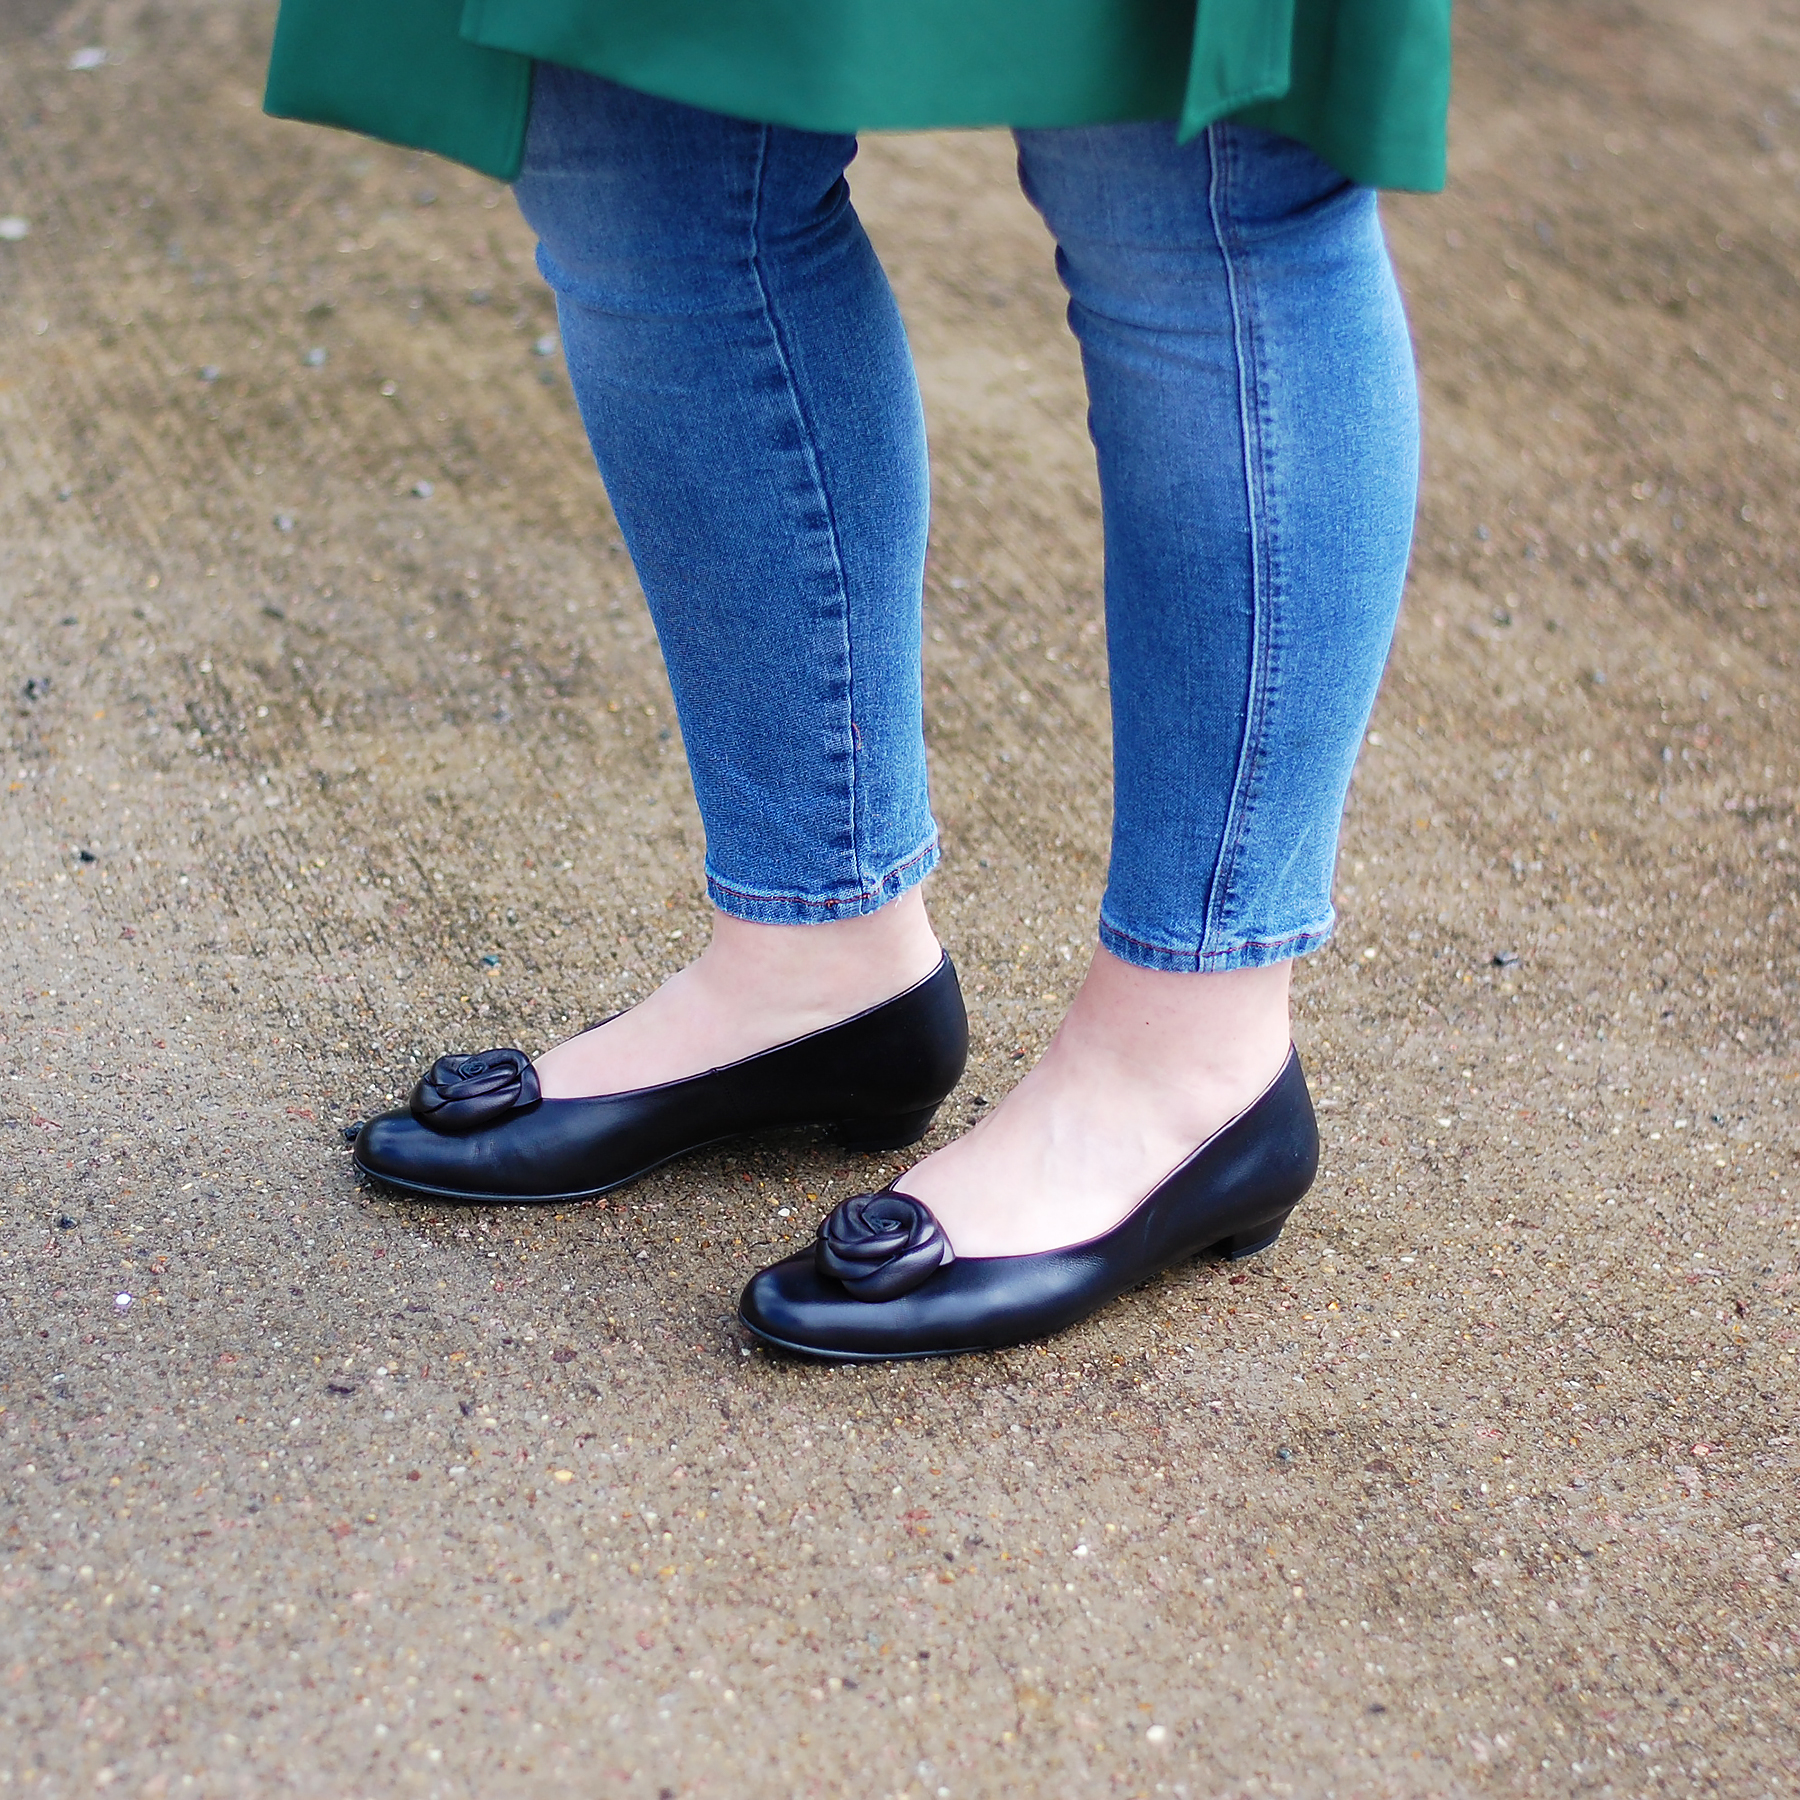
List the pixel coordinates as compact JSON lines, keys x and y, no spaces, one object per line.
{"x":1252,"y":1242}
{"x":894,"y":1131}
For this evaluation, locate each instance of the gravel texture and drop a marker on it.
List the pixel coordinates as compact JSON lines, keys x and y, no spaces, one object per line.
{"x":334,"y":737}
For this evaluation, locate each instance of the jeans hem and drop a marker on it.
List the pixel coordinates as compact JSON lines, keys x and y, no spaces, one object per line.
{"x":804,"y":909}
{"x":1246,"y":953}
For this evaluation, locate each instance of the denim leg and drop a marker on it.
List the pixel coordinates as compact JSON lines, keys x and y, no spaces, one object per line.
{"x":747,"y":388}
{"x":1255,"y":419}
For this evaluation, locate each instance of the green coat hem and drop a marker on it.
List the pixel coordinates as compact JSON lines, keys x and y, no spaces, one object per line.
{"x":454,"y":77}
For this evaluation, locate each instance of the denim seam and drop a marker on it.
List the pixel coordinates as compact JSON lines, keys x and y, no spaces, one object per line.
{"x":926,"y":851}
{"x":809,"y":441}
{"x":1237,"y":820}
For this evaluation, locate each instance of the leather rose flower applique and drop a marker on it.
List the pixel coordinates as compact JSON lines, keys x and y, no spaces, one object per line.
{"x":460,"y":1093}
{"x":881,"y":1246}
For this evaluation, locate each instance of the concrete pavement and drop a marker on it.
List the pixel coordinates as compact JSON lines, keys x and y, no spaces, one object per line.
{"x":335,"y":737}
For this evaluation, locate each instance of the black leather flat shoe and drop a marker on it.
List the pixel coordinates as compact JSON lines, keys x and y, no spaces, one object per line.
{"x":882,"y":1282}
{"x":477,"y":1129}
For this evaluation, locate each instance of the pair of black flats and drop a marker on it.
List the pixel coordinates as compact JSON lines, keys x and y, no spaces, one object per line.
{"x":881,"y":1281}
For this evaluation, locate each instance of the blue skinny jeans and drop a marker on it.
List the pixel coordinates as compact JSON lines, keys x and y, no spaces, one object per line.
{"x":745,"y":381}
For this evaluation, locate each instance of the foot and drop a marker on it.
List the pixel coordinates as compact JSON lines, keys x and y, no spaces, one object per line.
{"x":755,"y":986}
{"x":1143,"y":1070}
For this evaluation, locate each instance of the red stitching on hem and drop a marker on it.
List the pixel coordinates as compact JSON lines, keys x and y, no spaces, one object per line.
{"x":1203,"y":956}
{"x":899,"y":869}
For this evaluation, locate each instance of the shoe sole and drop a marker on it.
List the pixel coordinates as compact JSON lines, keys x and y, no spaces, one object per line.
{"x":869,"y":1356}
{"x":1230,"y":1249}
{"x":870,"y":1135}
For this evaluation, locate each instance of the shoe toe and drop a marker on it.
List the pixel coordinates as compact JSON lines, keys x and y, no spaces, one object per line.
{"x":794,"y":1307}
{"x":790,"y":1303}
{"x":394,"y":1146}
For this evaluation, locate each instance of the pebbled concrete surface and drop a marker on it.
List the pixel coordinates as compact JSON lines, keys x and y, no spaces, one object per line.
{"x":1484,"y":1483}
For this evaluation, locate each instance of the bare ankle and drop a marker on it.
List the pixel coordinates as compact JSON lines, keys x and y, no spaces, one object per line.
{"x":859,"y":961}
{"x":1226,"y":1027}
{"x":753,"y":987}
{"x":1146,"y":1067}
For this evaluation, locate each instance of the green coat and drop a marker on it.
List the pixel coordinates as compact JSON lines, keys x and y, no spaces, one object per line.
{"x":1364,"y":82}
